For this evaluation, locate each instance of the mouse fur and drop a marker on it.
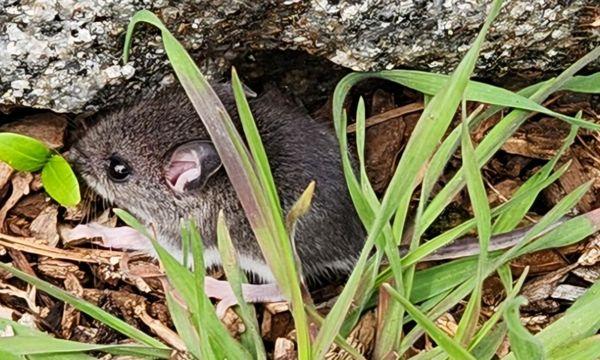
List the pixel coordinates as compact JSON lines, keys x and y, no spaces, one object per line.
{"x":143,"y":133}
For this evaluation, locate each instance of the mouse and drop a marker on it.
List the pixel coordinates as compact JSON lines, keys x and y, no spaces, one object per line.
{"x":154,"y":158}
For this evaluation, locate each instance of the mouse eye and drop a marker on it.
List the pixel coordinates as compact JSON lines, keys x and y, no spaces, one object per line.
{"x":118,"y":169}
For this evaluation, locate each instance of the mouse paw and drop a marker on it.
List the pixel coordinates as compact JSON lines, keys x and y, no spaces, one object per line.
{"x":123,"y":237}
{"x":221,"y":290}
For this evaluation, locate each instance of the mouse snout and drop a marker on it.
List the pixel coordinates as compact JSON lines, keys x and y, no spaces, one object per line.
{"x":75,"y":157}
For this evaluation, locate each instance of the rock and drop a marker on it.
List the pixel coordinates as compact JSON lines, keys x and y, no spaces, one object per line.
{"x":64,"y":55}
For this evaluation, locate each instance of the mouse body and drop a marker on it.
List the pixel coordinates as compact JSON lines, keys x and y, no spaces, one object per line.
{"x":154,"y":158}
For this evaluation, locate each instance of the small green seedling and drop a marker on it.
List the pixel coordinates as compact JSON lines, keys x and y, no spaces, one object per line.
{"x":24,"y":153}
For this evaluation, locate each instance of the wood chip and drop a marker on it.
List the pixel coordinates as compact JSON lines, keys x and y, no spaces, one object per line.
{"x":59,"y":269}
{"x":535,"y":323}
{"x":385,"y":141}
{"x":568,"y":292}
{"x":71,"y":316}
{"x":544,"y":306}
{"x":588,"y":273}
{"x":284,"y":349}
{"x":77,"y":254}
{"x":30,"y":206}
{"x":20,"y":186}
{"x":233,"y":323}
{"x":537,"y":139}
{"x":276,"y":321}
{"x":362,"y":338}
{"x":591,"y":254}
{"x":28,"y":295}
{"x":539,"y":262}
{"x":45,"y":226}
{"x":5,"y":173}
{"x":167,"y":335}
{"x":447,"y":323}
{"x":6,"y":313}
{"x":277,"y":307}
{"x":577,"y":175}
{"x":543,"y":286}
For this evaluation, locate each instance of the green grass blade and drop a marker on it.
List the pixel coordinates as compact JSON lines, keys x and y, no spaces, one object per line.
{"x":580,"y":321}
{"x":585,"y":84}
{"x":445,"y":238}
{"x":588,"y":348}
{"x":522,"y":342}
{"x":22,"y":330}
{"x":431,"y":83}
{"x":203,"y":315}
{"x":389,"y":338}
{"x":248,"y":180}
{"x":588,"y":221}
{"x":427,"y":134}
{"x":38,"y":345}
{"x":184,"y":326}
{"x":253,"y":137}
{"x":498,"y":136}
{"x":510,"y":219}
{"x":192,"y":292}
{"x":453,"y":349}
{"x":236,"y":277}
{"x":556,"y":213}
{"x":486,"y":349}
{"x":483,"y":217}
{"x":487,"y":327}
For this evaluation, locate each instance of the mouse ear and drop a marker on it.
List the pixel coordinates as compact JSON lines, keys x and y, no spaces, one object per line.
{"x":191,"y":165}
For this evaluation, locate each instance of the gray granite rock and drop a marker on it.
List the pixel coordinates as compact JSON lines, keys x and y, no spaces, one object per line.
{"x":64,"y":55}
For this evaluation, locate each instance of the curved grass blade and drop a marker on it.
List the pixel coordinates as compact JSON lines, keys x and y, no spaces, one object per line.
{"x":430,"y":83}
{"x":185,"y":283}
{"x":21,"y":330}
{"x":428,"y":132}
{"x":184,"y":326}
{"x":483,"y":217}
{"x":451,"y":347}
{"x":236,"y":277}
{"x":203,"y":312}
{"x":254,"y":194}
{"x":580,"y":321}
{"x":37,"y":345}
{"x":498,"y":136}
{"x":524,"y":345}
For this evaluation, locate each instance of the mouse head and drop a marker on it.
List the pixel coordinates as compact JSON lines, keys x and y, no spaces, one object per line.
{"x":146,"y":155}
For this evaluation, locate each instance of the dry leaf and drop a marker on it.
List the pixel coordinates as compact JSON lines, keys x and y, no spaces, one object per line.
{"x":47,"y":127}
{"x":20,"y":186}
{"x":568,"y":292}
{"x":45,"y":226}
